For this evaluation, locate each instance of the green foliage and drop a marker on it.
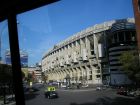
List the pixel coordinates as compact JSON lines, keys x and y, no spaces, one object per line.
{"x":5,"y":73}
{"x":131,"y":64}
{"x":30,"y":77}
{"x":44,"y":77}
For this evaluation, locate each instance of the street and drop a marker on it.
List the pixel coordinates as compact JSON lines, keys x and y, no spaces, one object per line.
{"x":80,"y":97}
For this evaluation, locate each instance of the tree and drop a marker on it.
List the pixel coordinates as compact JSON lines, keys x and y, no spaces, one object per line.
{"x":5,"y":73}
{"x":131,"y":65}
{"x":44,"y":77}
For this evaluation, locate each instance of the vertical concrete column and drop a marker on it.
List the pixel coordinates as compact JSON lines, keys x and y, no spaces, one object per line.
{"x":62,"y":75}
{"x":87,"y":72}
{"x":87,"y":45}
{"x":94,"y":79}
{"x":70,"y":73}
{"x":95,"y":44}
{"x":60,"y":58}
{"x":67,"y":72}
{"x":50,"y":76}
{"x":65,"y":54}
{"x":82,"y":45}
{"x":73,"y":51}
{"x":78,"y":49}
{"x":58,"y":75}
{"x":69,"y":52}
{"x":55,"y":76}
{"x":83,"y":74}
{"x":124,"y":36}
{"x":74,"y":74}
{"x":60,"y":72}
{"x":117,"y":37}
{"x":78,"y":74}
{"x":76,"y":71}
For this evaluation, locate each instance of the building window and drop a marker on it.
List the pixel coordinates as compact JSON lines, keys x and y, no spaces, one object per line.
{"x":115,"y":38}
{"x":90,"y":77}
{"x":98,"y":71}
{"x":121,"y":36}
{"x":133,"y":37}
{"x":128,"y":36}
{"x":97,"y":76}
{"x":90,"y":72}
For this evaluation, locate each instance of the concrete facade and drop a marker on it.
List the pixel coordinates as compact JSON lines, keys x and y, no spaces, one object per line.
{"x":87,"y":55}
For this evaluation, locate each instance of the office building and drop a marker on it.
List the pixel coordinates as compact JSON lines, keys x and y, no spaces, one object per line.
{"x":23,"y":58}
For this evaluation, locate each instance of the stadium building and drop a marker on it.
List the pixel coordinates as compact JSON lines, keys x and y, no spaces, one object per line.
{"x":91,"y":56}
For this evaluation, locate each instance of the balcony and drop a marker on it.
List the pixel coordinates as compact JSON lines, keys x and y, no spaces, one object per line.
{"x":75,"y":60}
{"x":80,"y":59}
{"x":92,"y":56}
{"x":67,"y":62}
{"x":94,"y":62}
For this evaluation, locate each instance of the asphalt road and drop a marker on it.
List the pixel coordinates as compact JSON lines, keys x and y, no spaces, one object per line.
{"x":80,"y":97}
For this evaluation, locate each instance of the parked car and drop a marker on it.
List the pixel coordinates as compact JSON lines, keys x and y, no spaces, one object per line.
{"x":122,"y":91}
{"x":134,"y":93}
{"x":51,"y":93}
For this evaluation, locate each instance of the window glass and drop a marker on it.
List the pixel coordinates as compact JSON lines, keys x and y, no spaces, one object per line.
{"x":121,"y":36}
{"x":6,"y":77}
{"x":59,"y":45}
{"x":128,"y":35}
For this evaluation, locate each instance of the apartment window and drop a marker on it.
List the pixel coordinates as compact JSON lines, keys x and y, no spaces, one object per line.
{"x":98,"y":76}
{"x":133,"y":37}
{"x":98,"y":71}
{"x":90,"y":77}
{"x":78,"y":41}
{"x":90,"y":72}
{"x":128,"y":36}
{"x":115,"y":38}
{"x":121,"y":36}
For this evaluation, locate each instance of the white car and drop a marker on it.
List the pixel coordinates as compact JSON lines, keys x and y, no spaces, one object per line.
{"x":63,"y":86}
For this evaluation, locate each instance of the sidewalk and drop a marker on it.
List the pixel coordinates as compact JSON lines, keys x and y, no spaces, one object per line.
{"x":84,"y":88}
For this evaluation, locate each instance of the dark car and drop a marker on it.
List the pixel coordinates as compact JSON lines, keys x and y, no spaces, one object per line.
{"x":122,"y":91}
{"x":51,"y":93}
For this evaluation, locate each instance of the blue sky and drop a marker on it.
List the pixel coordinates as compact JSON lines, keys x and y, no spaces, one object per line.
{"x":41,"y":28}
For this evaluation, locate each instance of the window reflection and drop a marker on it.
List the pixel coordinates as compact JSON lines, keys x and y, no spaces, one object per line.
{"x":6,"y":77}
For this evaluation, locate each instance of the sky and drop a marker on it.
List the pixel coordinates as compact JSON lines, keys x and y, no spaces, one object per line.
{"x":42,"y":28}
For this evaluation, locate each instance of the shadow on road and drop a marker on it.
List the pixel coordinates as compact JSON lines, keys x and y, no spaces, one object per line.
{"x":115,"y":101}
{"x":29,"y":96}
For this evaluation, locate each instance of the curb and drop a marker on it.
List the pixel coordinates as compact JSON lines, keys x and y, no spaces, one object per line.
{"x":11,"y":103}
{"x":76,"y":90}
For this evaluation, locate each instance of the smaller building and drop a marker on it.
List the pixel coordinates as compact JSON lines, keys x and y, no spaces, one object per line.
{"x":36,"y":72}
